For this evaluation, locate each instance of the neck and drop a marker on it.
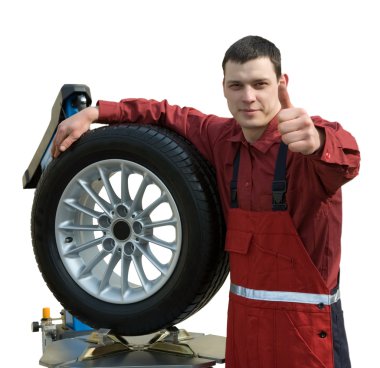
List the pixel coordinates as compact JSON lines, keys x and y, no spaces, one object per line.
{"x":253,"y":134}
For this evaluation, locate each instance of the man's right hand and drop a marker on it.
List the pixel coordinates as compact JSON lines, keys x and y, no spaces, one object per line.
{"x":72,"y":128}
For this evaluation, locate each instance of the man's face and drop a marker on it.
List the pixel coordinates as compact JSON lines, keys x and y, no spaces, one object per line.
{"x":251,"y":90}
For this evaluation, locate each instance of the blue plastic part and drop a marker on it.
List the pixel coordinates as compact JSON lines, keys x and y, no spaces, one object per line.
{"x":75,"y":324}
{"x":69,"y":108}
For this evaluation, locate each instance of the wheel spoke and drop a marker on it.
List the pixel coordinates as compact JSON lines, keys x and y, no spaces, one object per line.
{"x":75,"y":251}
{"x":109,"y":270}
{"x":161,"y":243}
{"x":137,"y":201}
{"x":93,"y":262}
{"x":114,"y":199}
{"x":152,"y":259}
{"x":80,"y":227}
{"x":105,"y":206}
{"x":88,"y":211}
{"x":140,"y":272}
{"x":125,"y":266}
{"x":152,"y":207}
{"x":125,"y":195}
{"x":170,"y":222}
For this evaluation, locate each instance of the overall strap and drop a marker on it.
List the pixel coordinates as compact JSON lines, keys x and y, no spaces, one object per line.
{"x":279,"y":185}
{"x":233,"y":184}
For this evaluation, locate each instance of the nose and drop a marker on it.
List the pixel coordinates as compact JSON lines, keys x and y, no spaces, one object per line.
{"x":249,"y":94}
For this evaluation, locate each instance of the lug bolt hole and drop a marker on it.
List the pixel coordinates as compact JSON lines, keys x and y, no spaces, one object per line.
{"x":122,"y":211}
{"x":104,"y":221}
{"x":108,"y":244}
{"x":129,"y":249}
{"x":137,"y":227}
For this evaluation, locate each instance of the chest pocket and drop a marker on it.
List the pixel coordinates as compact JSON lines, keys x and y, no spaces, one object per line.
{"x":238,"y":244}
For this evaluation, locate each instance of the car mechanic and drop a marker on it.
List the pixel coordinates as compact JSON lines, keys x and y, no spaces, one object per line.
{"x":279,"y":173}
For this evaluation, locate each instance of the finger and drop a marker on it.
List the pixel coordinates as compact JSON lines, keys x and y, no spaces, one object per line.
{"x":291,"y":124}
{"x":66,"y":143}
{"x":55,"y":152}
{"x":295,"y":136}
{"x":54,"y":148}
{"x":283,"y":96}
{"x":59,"y":137}
{"x":297,"y":146}
{"x":301,"y":147}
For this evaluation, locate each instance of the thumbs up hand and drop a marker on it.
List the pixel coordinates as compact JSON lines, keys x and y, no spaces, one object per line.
{"x":296,"y":127}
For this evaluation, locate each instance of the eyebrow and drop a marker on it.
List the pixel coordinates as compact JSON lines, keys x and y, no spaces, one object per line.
{"x":258,"y":80}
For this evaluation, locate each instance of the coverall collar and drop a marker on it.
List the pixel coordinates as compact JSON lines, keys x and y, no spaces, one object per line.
{"x":270,"y":136}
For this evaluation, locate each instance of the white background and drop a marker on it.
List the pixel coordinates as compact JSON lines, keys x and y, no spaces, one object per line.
{"x":173,"y":49}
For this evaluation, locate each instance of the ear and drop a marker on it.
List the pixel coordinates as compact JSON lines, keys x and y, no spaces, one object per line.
{"x":284,"y":79}
{"x":224,"y":90}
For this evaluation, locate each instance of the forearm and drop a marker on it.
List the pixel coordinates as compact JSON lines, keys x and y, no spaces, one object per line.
{"x":186,"y":121}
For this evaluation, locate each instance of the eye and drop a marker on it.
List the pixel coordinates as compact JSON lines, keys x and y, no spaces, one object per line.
{"x":260,"y":85}
{"x":234,"y":86}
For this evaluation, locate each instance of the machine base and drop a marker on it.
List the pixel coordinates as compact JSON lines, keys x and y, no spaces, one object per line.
{"x":136,"y":353}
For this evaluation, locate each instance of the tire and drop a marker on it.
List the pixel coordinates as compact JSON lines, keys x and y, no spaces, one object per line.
{"x":128,"y":231}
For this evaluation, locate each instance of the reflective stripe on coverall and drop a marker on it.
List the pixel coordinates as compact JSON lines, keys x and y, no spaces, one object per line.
{"x":281,"y":313}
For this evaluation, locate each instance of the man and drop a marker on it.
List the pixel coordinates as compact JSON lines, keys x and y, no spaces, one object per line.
{"x":279,"y":174}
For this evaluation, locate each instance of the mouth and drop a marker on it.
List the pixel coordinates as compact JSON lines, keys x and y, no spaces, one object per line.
{"x":249,"y":111}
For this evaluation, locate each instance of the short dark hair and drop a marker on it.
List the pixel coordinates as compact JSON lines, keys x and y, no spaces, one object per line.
{"x":253,"y":47}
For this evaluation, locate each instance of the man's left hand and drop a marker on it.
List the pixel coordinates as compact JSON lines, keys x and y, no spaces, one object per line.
{"x":296,"y":127}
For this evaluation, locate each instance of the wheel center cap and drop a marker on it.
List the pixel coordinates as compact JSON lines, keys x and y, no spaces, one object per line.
{"x":121,"y":230}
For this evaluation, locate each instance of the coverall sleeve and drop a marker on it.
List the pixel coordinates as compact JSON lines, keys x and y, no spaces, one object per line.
{"x":338,"y":161}
{"x":200,"y":129}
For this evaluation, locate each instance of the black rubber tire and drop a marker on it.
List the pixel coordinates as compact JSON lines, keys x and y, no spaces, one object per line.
{"x":202,"y":265}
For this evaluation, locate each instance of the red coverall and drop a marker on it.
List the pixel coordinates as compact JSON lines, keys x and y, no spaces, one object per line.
{"x":284,"y":303}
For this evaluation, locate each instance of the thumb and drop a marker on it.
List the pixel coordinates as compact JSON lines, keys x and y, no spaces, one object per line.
{"x":283,"y":96}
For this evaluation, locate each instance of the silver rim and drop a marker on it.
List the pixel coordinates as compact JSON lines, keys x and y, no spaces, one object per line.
{"x":118,"y":231}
